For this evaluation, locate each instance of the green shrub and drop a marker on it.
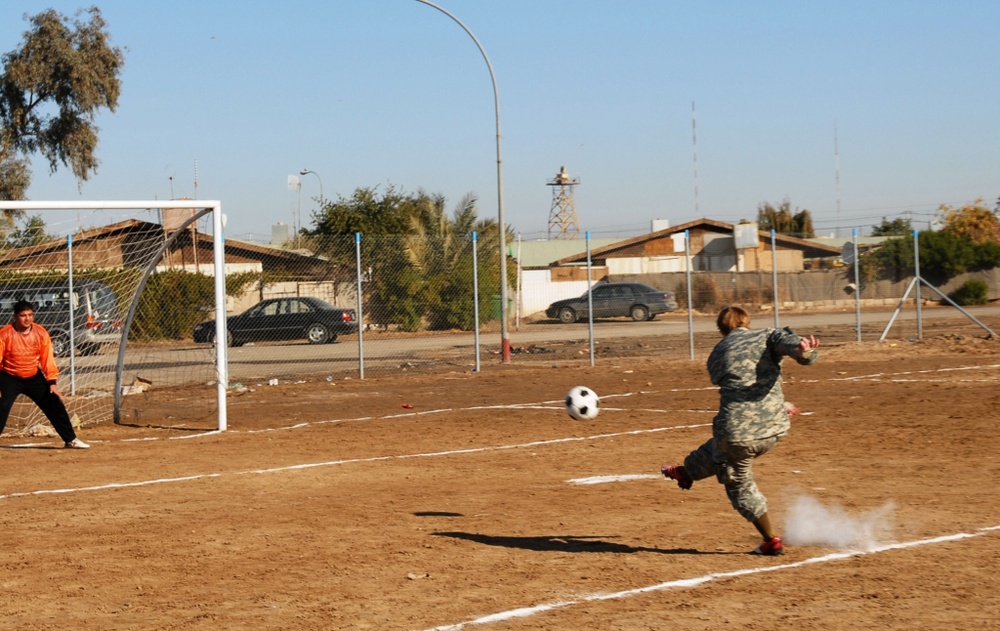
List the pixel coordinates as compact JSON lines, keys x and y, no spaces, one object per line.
{"x":972,"y":292}
{"x":705,"y":293}
{"x":943,"y":255}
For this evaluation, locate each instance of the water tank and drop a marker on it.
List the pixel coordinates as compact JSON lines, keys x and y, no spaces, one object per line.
{"x":173,"y":218}
{"x":280,"y":233}
{"x":746,"y":235}
{"x":659,"y":224}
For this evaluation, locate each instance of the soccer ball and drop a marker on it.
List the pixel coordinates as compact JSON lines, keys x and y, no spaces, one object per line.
{"x":582,"y":403}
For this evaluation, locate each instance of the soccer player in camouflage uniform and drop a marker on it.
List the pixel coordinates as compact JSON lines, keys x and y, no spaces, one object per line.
{"x":753,"y":414}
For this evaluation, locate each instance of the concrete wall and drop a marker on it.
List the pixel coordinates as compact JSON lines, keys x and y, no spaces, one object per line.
{"x":539,"y":289}
{"x":337,"y":294}
{"x":803,"y":290}
{"x":797,"y":290}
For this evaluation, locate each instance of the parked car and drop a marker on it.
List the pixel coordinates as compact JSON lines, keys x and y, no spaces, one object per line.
{"x":295,"y":318}
{"x":635,"y":300}
{"x":94,"y":306}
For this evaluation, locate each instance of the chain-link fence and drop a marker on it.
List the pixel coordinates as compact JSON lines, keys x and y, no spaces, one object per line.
{"x":359,"y":306}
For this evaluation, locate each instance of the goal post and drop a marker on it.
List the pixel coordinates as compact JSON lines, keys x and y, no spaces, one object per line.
{"x":46,"y":268}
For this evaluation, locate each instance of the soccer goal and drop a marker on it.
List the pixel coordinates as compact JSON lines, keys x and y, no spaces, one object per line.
{"x":128,"y":276}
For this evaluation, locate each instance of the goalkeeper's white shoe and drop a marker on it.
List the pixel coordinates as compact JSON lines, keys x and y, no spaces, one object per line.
{"x":76,"y":443}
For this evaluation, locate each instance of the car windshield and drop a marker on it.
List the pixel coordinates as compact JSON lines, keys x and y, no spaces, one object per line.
{"x":101,"y":300}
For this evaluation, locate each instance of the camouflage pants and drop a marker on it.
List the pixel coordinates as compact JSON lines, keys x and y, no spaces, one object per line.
{"x":732,"y":464}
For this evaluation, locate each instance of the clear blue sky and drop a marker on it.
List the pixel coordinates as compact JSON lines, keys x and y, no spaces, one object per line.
{"x":370,"y":93}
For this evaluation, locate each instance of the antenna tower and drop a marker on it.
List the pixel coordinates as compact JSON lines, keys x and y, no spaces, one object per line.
{"x":694,"y":144}
{"x":836,"y":161}
{"x":563,"y":222}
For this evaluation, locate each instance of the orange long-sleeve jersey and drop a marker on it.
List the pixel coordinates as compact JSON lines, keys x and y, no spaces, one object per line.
{"x":22,"y":354}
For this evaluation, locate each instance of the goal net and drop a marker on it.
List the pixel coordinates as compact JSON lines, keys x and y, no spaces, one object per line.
{"x":127,"y":277}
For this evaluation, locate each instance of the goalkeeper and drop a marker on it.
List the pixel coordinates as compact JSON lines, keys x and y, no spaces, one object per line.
{"x":28,"y":367}
{"x":753,"y":414}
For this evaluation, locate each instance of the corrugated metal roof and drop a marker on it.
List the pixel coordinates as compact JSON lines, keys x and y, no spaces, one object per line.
{"x":542,"y":253}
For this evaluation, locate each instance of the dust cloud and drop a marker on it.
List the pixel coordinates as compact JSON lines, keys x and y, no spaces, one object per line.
{"x":810,"y":523}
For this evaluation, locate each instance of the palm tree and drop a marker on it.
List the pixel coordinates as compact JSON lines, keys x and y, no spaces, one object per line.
{"x":435,"y":243}
{"x":440,"y":248}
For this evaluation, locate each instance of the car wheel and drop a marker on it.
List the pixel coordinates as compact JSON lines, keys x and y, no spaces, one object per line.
{"x":229,"y":339}
{"x":60,"y":344}
{"x":318,"y":334}
{"x":639,"y":313}
{"x":567,"y":315}
{"x":88,"y":349}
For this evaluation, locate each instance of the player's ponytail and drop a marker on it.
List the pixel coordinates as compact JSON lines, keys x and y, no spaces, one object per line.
{"x":732,"y":318}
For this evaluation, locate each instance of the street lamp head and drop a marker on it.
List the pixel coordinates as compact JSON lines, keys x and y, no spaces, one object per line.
{"x":304,"y":171}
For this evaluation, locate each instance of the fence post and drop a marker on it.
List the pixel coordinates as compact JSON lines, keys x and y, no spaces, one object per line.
{"x":475,"y":293}
{"x":590,"y":300}
{"x":361,"y":318}
{"x":517,"y":293}
{"x":857,"y":282}
{"x":774,"y":275}
{"x":687,"y":271}
{"x":916,"y":272}
{"x":72,"y":317}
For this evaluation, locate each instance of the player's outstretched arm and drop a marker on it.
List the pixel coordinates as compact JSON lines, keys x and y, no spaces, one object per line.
{"x":807,"y":352}
{"x":807,"y":344}
{"x":789,"y":344}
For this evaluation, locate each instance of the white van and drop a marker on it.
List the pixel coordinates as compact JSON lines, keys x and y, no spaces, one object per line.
{"x":96,"y":318}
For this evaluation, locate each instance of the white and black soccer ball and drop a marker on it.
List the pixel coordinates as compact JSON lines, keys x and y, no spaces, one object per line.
{"x":582,"y":403}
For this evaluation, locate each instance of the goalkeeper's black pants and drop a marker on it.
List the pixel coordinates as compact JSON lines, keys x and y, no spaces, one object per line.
{"x":37,"y":389}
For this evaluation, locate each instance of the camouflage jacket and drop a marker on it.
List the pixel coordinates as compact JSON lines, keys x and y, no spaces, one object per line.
{"x":746,"y":365}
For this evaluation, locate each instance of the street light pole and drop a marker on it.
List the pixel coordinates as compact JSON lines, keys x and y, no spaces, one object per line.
{"x":504,"y":337}
{"x":306,"y":171}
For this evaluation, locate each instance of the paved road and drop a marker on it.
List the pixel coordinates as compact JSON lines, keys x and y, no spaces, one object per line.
{"x":678,"y":324}
{"x":189,"y":363}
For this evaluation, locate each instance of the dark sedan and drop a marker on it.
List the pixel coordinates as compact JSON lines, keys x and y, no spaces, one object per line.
{"x":296,"y":318}
{"x":635,"y":300}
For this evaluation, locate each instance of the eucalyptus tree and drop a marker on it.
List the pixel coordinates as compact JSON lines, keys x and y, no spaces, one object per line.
{"x":51,"y":89}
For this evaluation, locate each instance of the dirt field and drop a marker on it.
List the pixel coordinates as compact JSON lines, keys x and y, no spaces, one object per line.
{"x":340,"y":506}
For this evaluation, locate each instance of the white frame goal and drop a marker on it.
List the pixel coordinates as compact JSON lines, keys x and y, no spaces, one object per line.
{"x":218,"y":250}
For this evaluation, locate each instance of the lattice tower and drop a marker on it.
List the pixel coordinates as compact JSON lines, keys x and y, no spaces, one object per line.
{"x":563,"y":222}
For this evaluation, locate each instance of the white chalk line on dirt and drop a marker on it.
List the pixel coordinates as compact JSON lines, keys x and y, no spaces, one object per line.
{"x":524,"y":612}
{"x":391,"y":457}
{"x":542,"y":405}
{"x":331,"y":463}
{"x":473,"y":450}
{"x":884,"y":375}
{"x":604,"y":479}
{"x":113,"y":485}
{"x":556,"y":403}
